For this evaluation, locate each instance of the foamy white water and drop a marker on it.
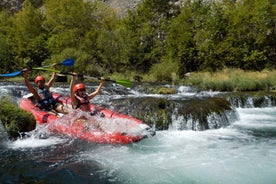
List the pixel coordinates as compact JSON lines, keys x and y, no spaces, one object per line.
{"x":242,"y":153}
{"x":230,"y":155}
{"x":33,"y":142}
{"x":38,"y":138}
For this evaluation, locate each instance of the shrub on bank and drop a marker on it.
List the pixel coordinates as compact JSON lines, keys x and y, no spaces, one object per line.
{"x":14,"y":119}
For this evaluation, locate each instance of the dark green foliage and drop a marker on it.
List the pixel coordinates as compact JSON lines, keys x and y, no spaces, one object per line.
{"x":28,"y":36}
{"x":211,"y":35}
{"x":250,"y":33}
{"x":145,"y":32}
{"x":14,"y":119}
{"x":6,"y":49}
{"x":5,"y":55}
{"x":83,"y":31}
{"x":199,"y":35}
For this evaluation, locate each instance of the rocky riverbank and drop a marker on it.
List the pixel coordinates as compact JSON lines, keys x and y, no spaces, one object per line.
{"x":120,"y":6}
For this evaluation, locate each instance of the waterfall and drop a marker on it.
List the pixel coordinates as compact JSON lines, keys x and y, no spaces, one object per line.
{"x":3,"y":133}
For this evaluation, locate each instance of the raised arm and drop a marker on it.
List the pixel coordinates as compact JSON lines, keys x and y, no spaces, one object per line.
{"x":28,"y":84}
{"x":97,"y":91}
{"x":72,"y":93}
{"x":52,"y":79}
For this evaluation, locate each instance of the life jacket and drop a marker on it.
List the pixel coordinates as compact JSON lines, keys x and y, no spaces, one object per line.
{"x":83,"y":103}
{"x":46,"y":101}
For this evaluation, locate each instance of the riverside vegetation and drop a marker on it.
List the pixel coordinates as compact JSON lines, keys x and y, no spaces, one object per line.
{"x":14,"y":119}
{"x":157,"y":41}
{"x":234,"y":80}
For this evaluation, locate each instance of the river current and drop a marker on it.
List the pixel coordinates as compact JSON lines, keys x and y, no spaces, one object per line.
{"x":243,"y":152}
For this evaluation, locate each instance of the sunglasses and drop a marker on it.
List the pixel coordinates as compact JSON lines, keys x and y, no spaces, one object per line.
{"x":81,"y":90}
{"x":40,"y":81}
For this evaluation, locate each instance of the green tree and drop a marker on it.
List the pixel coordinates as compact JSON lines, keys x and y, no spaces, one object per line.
{"x":80,"y":27}
{"x":251,"y":34}
{"x":6,"y":52}
{"x":211,"y":35}
{"x":157,"y":37}
{"x":102,"y":41}
{"x":5,"y":55}
{"x":181,"y":46}
{"x":29,"y":37}
{"x":145,"y":32}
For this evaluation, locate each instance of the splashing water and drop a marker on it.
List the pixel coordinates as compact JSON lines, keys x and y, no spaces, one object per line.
{"x":243,"y":152}
{"x":98,"y":122}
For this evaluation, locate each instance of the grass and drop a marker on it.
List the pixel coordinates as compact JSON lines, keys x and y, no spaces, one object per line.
{"x":224,"y":80}
{"x":11,"y":79}
{"x":234,"y":80}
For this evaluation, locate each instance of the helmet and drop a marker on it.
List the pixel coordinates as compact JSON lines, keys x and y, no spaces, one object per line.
{"x":39,"y":78}
{"x":78,"y":87}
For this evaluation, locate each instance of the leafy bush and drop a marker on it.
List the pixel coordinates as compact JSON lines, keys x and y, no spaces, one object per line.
{"x":14,"y":119}
{"x":164,"y":71}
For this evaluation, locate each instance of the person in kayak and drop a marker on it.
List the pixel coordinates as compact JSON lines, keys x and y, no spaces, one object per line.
{"x":80,"y":99}
{"x":42,"y":94}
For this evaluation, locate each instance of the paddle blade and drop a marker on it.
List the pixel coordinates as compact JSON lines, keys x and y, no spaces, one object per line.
{"x":68,"y":62}
{"x":11,"y":74}
{"x":125,"y":83}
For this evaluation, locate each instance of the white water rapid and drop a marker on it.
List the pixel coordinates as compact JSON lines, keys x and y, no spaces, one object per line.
{"x":242,"y":153}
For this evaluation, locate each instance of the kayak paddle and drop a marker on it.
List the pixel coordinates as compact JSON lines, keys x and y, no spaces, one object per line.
{"x":66,"y":62}
{"x":11,"y":74}
{"x":46,"y":69}
{"x":124,"y":83}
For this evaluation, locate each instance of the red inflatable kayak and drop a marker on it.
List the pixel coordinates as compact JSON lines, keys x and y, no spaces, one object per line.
{"x":101,"y":126}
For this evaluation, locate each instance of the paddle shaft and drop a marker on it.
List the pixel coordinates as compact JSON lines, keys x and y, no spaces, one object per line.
{"x":124,"y":83}
{"x":84,"y":76}
{"x":66,"y":62}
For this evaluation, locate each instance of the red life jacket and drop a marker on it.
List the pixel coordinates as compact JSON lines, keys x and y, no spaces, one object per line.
{"x":83,"y":103}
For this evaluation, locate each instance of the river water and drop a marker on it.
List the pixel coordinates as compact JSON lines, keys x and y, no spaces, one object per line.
{"x":244,"y":152}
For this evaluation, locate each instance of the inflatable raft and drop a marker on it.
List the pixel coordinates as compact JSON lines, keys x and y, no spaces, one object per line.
{"x":100,"y":126}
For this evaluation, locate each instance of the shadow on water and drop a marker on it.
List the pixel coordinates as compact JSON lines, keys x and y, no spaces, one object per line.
{"x":58,"y":163}
{"x":258,"y":132}
{"x":258,"y":122}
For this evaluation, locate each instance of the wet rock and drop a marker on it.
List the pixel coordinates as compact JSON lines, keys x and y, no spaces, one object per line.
{"x":190,"y":114}
{"x":251,"y":99}
{"x":149,"y":88}
{"x":3,"y":133}
{"x":206,"y":113}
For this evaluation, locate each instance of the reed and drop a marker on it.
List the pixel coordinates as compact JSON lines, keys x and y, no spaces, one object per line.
{"x":234,"y":80}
